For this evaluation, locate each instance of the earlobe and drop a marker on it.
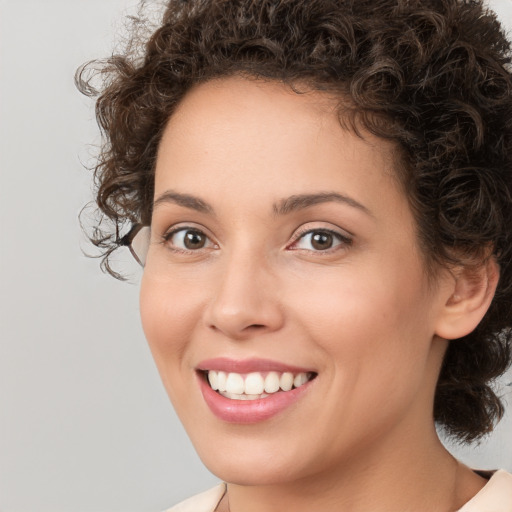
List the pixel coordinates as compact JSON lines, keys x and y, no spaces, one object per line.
{"x":472,"y":291}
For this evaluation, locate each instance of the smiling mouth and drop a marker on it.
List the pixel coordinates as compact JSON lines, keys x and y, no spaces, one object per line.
{"x":255,"y":385}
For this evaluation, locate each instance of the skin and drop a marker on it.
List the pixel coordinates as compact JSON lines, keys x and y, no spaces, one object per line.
{"x":362,"y":314}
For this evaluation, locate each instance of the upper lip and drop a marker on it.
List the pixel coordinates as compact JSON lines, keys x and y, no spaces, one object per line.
{"x":226,"y":364}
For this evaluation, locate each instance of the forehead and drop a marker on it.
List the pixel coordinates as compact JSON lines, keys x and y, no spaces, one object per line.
{"x":236,"y":125}
{"x":245,"y":92}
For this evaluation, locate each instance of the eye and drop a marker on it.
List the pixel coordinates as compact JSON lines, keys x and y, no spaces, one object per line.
{"x":320,"y":240}
{"x":188,"y":239}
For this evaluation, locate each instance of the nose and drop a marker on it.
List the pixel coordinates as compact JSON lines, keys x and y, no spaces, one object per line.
{"x":245,"y":299}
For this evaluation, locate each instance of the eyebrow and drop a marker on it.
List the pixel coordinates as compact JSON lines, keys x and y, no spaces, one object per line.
{"x":283,"y":207}
{"x":185,"y":200}
{"x":302,"y":201}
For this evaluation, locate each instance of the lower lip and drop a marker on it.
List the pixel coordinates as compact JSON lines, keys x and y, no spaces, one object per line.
{"x":249,"y":411}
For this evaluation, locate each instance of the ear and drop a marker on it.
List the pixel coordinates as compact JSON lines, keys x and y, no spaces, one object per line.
{"x":469,"y":296}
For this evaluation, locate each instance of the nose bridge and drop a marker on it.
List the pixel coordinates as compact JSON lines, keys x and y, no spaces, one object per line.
{"x":245,"y":298}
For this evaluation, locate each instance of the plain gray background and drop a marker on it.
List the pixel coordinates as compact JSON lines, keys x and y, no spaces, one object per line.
{"x":85,"y":424}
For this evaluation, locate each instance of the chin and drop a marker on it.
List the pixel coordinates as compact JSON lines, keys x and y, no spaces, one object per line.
{"x":266,"y":459}
{"x":240,"y":470}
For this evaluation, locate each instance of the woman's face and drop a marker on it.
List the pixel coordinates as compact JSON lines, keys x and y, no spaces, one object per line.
{"x":282,"y":244}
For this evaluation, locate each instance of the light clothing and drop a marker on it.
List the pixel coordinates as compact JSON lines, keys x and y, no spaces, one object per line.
{"x":205,"y":502}
{"x":496,"y":496}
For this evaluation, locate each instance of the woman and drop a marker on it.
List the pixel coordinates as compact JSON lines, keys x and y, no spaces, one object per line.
{"x":320,"y":194}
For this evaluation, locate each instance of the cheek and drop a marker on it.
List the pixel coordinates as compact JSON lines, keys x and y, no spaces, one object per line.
{"x":379,"y":321}
{"x":169,"y":315}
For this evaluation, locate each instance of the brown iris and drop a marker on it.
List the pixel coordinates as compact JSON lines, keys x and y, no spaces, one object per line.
{"x":322,"y":240}
{"x":194,"y":240}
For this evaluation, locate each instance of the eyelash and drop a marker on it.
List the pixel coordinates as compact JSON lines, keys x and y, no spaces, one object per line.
{"x":343,"y":240}
{"x":166,"y":238}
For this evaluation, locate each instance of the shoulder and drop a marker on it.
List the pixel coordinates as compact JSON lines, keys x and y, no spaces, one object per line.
{"x":496,"y":496}
{"x":204,"y":502}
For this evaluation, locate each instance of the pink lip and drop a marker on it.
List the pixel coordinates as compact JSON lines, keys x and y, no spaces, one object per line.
{"x":248,"y":411}
{"x":224,"y":364}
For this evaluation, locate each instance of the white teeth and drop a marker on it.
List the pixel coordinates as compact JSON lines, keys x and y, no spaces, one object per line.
{"x":235,"y":396}
{"x":213,"y":380}
{"x":235,"y":384}
{"x":272,"y":382}
{"x":286,"y":381}
{"x":253,"y":386}
{"x":221,"y":381}
{"x":300,"y":379}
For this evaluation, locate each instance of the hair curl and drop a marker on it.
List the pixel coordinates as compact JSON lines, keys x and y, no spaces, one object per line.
{"x":432,"y":75}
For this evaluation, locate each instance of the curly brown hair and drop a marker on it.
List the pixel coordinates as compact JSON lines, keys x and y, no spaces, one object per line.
{"x":432,"y":75}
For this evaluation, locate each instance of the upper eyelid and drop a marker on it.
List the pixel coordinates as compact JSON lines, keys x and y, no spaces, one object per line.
{"x":303,"y":230}
{"x":192,"y":226}
{"x":345,"y":241}
{"x":176,"y":228}
{"x":296,"y":235}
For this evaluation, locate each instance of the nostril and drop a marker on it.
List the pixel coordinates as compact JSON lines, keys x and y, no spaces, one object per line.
{"x":238,"y":319}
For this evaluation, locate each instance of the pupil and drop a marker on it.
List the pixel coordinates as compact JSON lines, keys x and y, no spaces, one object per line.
{"x":194,"y":240}
{"x":321,"y":241}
